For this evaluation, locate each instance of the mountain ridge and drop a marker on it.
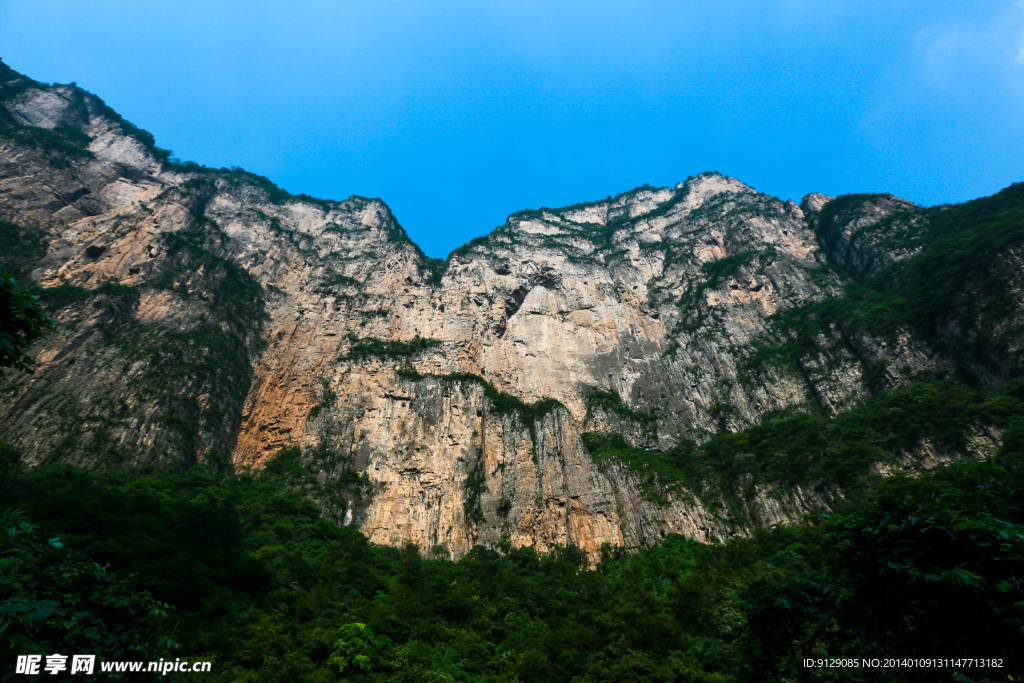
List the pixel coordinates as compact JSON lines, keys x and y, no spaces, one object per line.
{"x":208,"y":316}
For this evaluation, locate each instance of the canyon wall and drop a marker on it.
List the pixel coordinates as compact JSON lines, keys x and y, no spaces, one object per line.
{"x":208,"y":316}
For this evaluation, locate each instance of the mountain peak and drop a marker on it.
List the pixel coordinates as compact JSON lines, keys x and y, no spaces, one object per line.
{"x":500,"y":397}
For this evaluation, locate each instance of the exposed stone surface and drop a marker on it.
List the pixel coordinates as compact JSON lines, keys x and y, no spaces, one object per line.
{"x":869,"y":235}
{"x":218,"y":317}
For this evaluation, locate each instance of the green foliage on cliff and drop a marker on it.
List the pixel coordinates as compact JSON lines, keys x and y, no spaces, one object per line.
{"x":818,"y":450}
{"x":715,"y":273}
{"x":61,"y":296}
{"x":501,"y":403}
{"x":468,"y":247}
{"x":369,"y":347}
{"x":474,"y":486}
{"x":194,"y":377}
{"x":211,"y":357}
{"x":375,"y":313}
{"x":432,"y":269}
{"x":597,"y":234}
{"x":321,"y":474}
{"x":67,"y":140}
{"x":839,"y":212}
{"x":197,"y":270}
{"x":22,"y":247}
{"x":940,"y":289}
{"x":60,"y":143}
{"x":656,"y":472}
{"x":327,"y":399}
{"x":22,"y":321}
{"x":507,"y":404}
{"x":337,"y":280}
{"x":131,"y":130}
{"x":538,"y":214}
{"x":946,"y":286}
{"x":611,"y":401}
{"x":13,"y":83}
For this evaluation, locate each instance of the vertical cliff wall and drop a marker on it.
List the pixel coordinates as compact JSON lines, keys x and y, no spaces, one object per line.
{"x":208,"y":316}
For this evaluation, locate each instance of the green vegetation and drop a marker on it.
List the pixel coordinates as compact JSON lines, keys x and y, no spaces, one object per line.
{"x":501,"y":403}
{"x":130,"y":129}
{"x":322,"y":475}
{"x":433,"y":269}
{"x":254,"y":571}
{"x":214,"y":356}
{"x":237,"y":176}
{"x":171,"y":368}
{"x":598,"y":235}
{"x":657,"y":472}
{"x":22,"y":323}
{"x":54,"y":600}
{"x":70,"y":141}
{"x":724,"y":268}
{"x":60,"y":143}
{"x":468,"y":247}
{"x":376,"y":313}
{"x":337,"y":280}
{"x":940,"y":289}
{"x":800,"y":329}
{"x":945,"y":285}
{"x":538,"y":214}
{"x":13,"y":83}
{"x":839,"y":211}
{"x":21,"y":247}
{"x":601,"y":235}
{"x":474,"y":487}
{"x":925,"y":564}
{"x":818,"y":450}
{"x":61,"y":296}
{"x":65,"y":140}
{"x":610,"y":400}
{"x":328,"y":397}
{"x":368,"y":347}
{"x":715,"y":272}
{"x":258,"y":582}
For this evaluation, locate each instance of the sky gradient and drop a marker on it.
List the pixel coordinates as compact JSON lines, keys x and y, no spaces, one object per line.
{"x":460,"y":113}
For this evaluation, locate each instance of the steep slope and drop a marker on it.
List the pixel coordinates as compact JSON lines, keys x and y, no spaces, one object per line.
{"x":952,"y":273}
{"x":206,"y":315}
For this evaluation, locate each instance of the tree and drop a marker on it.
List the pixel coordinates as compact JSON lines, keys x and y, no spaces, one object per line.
{"x":53,"y":601}
{"x":22,"y":322}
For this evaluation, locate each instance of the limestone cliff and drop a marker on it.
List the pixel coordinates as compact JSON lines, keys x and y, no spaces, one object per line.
{"x":206,"y":315}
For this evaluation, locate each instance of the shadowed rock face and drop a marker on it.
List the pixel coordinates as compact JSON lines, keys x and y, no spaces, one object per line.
{"x":206,"y":315}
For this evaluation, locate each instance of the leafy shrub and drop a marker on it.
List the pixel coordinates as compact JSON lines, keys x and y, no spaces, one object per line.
{"x":928,"y":566}
{"x":52,"y":600}
{"x":271,"y":591}
{"x":363,"y":348}
{"x":22,"y":323}
{"x":818,"y":449}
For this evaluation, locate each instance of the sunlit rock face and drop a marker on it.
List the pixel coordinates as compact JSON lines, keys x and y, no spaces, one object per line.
{"x":206,"y":316}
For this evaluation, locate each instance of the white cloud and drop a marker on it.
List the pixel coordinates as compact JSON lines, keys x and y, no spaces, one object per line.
{"x":940,"y":50}
{"x":1020,"y":51}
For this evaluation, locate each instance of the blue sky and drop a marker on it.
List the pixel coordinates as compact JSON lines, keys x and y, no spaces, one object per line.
{"x":460,"y":113}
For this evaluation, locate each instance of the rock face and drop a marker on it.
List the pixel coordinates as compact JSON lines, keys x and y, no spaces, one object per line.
{"x":866,"y":233}
{"x":209,"y":316}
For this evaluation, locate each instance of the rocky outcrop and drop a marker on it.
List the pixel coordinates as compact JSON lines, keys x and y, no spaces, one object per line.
{"x":866,"y":233}
{"x":207,"y":315}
